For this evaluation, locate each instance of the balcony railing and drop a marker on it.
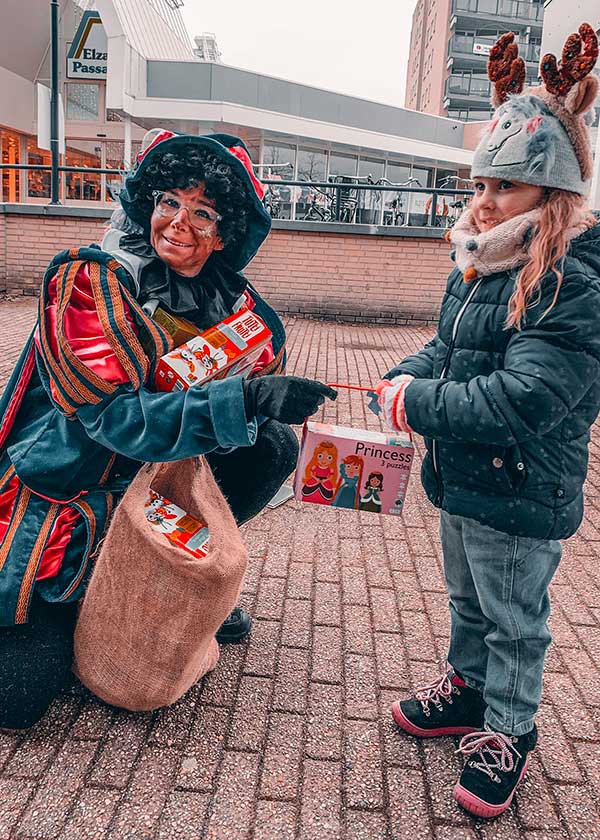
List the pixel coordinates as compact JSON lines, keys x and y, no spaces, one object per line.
{"x":501,"y":8}
{"x":457,"y":85}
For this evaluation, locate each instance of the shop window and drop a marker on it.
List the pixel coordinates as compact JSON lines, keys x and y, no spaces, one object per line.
{"x":114,"y":154}
{"x":38,"y":180}
{"x":11,"y":188}
{"x":278,"y":159}
{"x":340,"y":164}
{"x":83,"y":101}
{"x":83,"y":186}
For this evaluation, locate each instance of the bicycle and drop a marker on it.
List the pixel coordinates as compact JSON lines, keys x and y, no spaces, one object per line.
{"x":460,"y":201}
{"x":317,"y":212}
{"x":272,"y":203}
{"x":397,"y":216}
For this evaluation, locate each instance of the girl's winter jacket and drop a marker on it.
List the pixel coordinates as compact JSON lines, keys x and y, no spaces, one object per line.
{"x":506,"y":414}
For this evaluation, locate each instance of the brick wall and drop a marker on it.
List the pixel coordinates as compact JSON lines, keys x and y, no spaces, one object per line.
{"x":370,"y":277}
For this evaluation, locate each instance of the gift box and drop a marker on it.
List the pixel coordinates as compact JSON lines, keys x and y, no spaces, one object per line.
{"x":177,"y":526}
{"x":353,"y":468}
{"x":232,"y":346}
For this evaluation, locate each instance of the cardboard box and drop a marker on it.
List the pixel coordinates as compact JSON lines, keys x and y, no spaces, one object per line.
{"x":177,"y":526}
{"x":353,"y":468}
{"x":180,"y":329}
{"x":229,"y":347}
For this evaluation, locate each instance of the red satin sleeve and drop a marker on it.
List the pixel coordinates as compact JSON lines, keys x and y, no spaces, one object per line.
{"x":83,"y":330}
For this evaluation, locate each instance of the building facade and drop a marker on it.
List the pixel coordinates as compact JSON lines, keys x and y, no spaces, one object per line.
{"x":450,"y":43}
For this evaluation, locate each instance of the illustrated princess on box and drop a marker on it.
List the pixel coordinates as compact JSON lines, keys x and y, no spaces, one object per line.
{"x":318,"y":484}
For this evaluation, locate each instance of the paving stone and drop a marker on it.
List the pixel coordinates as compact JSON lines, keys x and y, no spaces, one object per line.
{"x":354,"y":586}
{"x":91,"y":815}
{"x":362,"y":765}
{"x":408,"y":803}
{"x":327,"y":608}
{"x":263,"y":649}
{"x":232,"y":805}
{"x":361,"y":687}
{"x":269,"y":602}
{"x":249,"y":722}
{"x":442,"y":769}
{"x":321,"y":803}
{"x":392,"y":663}
{"x":171,"y":725}
{"x":358,"y":632}
{"x":41,"y":743}
{"x":220,"y":686}
{"x":535,"y":802}
{"x":327,"y":654}
{"x":204,"y":749}
{"x":14,"y":796}
{"x":183,"y":816}
{"x":275,"y":821}
{"x":579,"y":809}
{"x":277,"y":561}
{"x":282,"y":757}
{"x":324,"y":723}
{"x":296,"y":627}
{"x":292,"y":680}
{"x":554,"y":750}
{"x":366,"y":825}
{"x":300,"y":580}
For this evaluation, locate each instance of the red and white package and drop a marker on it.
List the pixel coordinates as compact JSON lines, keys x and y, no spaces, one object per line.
{"x":232,"y":346}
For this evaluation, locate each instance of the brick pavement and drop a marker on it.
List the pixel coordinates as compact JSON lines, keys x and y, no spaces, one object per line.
{"x":291,"y":736}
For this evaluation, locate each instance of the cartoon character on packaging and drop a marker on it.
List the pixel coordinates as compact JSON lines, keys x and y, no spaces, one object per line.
{"x":317,"y":482}
{"x":211,"y":362}
{"x":347,"y":494}
{"x":371,"y":500}
{"x":158,"y":511}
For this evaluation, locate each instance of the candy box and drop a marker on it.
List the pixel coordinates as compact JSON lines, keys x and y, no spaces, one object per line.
{"x":176,"y":525}
{"x":353,"y":468}
{"x":229,"y":347}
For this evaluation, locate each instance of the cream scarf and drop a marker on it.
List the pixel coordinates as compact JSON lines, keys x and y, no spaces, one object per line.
{"x":502,"y":248}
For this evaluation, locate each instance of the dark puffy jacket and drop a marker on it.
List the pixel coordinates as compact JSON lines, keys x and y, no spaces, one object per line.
{"x":506,"y":414}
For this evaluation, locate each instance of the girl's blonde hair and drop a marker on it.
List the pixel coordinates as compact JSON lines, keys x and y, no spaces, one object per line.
{"x":560,"y":211}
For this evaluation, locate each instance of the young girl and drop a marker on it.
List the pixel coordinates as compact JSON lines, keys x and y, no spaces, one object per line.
{"x":505,"y":395}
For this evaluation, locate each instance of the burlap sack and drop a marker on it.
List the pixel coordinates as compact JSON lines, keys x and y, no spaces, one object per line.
{"x":146,"y":629}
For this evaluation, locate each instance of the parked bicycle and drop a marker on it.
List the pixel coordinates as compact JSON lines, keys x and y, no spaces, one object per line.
{"x":394,"y":213}
{"x":459,"y":202}
{"x":319,"y":206}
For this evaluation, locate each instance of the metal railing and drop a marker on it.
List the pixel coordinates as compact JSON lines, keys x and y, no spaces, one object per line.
{"x":365,"y":201}
{"x":342,"y":199}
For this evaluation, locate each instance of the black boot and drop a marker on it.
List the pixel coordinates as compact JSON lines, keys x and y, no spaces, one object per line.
{"x":445,"y":707}
{"x":235,"y":628}
{"x":495,"y":766}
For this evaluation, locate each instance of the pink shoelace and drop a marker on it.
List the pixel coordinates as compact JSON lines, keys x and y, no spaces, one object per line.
{"x":495,"y":746}
{"x":441,"y":689}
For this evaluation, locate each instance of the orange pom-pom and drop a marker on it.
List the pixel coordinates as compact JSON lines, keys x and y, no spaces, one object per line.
{"x":447,"y":235}
{"x":470,"y":274}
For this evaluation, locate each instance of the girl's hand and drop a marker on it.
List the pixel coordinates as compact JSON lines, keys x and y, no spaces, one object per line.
{"x":390,"y":395}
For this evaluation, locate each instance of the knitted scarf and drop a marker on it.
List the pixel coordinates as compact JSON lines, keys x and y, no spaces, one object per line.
{"x":502,"y":248}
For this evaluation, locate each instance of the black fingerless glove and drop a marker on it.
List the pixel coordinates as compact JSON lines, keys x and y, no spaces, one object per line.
{"x":289,"y":399}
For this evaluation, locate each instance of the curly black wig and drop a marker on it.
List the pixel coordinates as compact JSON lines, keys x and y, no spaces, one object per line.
{"x":190,"y":167}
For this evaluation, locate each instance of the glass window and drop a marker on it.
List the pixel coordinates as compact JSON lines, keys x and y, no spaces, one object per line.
{"x":395,"y":204}
{"x":114,"y":153}
{"x":38,"y":180}
{"x":340,"y":164}
{"x":283,"y":160}
{"x":418,"y":204}
{"x":372,"y":167}
{"x":11,"y":190}
{"x":83,"y":186}
{"x":312,"y":165}
{"x":83,"y":102}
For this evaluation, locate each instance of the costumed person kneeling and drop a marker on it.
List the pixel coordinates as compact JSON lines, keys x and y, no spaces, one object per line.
{"x":79,"y":416}
{"x":505,"y":395}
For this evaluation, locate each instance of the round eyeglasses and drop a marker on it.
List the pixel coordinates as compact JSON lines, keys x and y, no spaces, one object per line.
{"x":168,"y":205}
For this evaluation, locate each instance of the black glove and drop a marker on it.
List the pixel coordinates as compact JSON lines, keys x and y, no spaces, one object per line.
{"x":289,"y":399}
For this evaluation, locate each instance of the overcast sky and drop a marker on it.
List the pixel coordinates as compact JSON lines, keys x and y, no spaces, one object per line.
{"x":353,"y":47}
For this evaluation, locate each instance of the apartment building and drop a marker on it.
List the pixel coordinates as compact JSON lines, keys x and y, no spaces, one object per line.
{"x":450,"y":44}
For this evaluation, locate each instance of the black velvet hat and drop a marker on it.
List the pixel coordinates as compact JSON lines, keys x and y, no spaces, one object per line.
{"x":233,"y":152}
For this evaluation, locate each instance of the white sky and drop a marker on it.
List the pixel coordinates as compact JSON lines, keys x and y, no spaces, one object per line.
{"x":360,"y":48}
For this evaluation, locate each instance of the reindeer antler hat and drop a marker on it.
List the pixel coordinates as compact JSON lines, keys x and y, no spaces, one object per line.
{"x":541,"y":136}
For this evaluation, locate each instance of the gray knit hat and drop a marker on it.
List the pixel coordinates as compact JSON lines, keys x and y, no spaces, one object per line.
{"x":541,"y":136}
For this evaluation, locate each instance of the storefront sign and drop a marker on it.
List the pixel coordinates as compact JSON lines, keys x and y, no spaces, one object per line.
{"x":481,"y":49}
{"x":87,"y":56}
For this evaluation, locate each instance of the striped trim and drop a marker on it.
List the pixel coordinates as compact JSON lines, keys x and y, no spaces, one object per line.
{"x":123,"y":340}
{"x":17,"y":517}
{"x":109,"y":466}
{"x":90,"y":519}
{"x":32,"y":565}
{"x":8,"y":475}
{"x":83,"y":379}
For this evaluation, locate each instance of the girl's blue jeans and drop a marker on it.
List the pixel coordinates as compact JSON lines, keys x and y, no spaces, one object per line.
{"x":499,"y":605}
